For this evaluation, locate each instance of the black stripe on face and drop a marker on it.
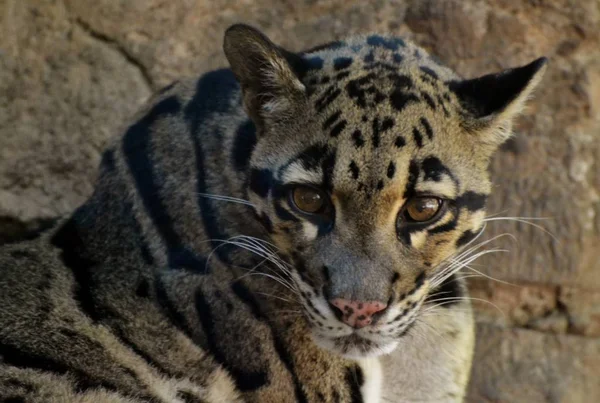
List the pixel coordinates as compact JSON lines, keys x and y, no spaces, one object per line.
{"x":427,"y":127}
{"x":447,"y":227}
{"x":380,"y":127}
{"x":465,"y":238}
{"x":429,"y":100}
{"x":449,"y":292}
{"x":358,"y":139}
{"x":341,"y":63}
{"x":355,"y":380}
{"x":413,"y":176}
{"x":280,"y":347}
{"x":399,"y":142}
{"x":429,"y":72}
{"x":312,"y":156}
{"x":391,"y":170}
{"x":472,"y":201}
{"x":337,"y":129}
{"x":282,"y":213}
{"x":433,"y":169}
{"x":261,"y":181}
{"x":417,"y":137}
{"x":327,"y":98}
{"x":327,"y":167}
{"x":244,"y":380}
{"x":331,"y":120}
{"x":354,"y":170}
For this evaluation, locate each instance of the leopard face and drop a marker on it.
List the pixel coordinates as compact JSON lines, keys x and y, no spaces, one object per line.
{"x":370,"y":173}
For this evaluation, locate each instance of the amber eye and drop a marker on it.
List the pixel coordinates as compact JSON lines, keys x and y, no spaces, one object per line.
{"x":421,"y":209}
{"x":308,"y":199}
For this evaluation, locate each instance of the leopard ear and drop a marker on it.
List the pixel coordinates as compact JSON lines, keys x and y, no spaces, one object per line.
{"x":491,"y":102}
{"x":269,"y":83}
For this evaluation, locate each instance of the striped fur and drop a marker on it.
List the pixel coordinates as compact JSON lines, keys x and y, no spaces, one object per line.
{"x":189,"y":277}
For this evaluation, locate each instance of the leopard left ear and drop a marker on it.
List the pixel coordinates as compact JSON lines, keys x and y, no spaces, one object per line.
{"x":269,"y":83}
{"x":491,"y":102}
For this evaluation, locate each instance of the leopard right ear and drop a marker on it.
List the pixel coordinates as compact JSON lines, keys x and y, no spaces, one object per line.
{"x":491,"y":102}
{"x":269,"y":84}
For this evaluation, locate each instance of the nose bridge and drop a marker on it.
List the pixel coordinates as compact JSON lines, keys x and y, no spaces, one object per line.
{"x":354,"y":275}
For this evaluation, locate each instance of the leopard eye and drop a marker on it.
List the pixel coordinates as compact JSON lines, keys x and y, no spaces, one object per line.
{"x":422,"y":209}
{"x":309,"y":200}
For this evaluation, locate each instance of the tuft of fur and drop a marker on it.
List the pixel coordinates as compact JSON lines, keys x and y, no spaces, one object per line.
{"x":191,"y":276}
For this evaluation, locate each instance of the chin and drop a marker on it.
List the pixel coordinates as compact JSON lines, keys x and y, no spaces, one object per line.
{"x":354,"y":347}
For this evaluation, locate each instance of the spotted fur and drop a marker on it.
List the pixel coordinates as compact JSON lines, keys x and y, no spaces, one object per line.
{"x":189,"y":276}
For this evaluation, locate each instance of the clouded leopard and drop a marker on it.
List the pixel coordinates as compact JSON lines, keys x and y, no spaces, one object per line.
{"x":286,"y":230}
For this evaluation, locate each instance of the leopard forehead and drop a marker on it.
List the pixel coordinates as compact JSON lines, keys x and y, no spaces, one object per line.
{"x":375,"y":105}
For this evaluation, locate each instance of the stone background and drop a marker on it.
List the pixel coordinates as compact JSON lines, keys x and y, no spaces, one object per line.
{"x":73,"y":71}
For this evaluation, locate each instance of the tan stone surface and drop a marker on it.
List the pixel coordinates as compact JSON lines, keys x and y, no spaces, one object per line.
{"x":73,"y":71}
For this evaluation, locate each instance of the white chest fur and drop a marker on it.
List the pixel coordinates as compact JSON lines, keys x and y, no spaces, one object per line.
{"x":372,"y":386}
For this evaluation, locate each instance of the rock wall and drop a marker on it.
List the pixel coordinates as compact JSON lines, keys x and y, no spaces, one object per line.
{"x":73,"y":71}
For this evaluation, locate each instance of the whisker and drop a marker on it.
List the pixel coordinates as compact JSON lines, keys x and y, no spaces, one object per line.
{"x":226,"y":198}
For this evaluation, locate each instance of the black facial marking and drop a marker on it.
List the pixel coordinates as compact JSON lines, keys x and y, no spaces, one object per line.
{"x":337,"y":129}
{"x":342,"y":75}
{"x":395,"y":277}
{"x":388,"y":43}
{"x":370,"y":57}
{"x":380,"y":184}
{"x":329,"y":45}
{"x":443,"y":105}
{"x":261,"y":181}
{"x":283,"y":214}
{"x":449,"y":291}
{"x":420,"y":280}
{"x":472,"y":201}
{"x":327,"y":98}
{"x":447,"y":227}
{"x":380,"y":127}
{"x":354,"y":170}
{"x":413,"y":176}
{"x":427,"y":127}
{"x":341,"y":63}
{"x":429,"y":71}
{"x":327,"y":167}
{"x":312,"y":156}
{"x":364,"y":91}
{"x":391,"y":170}
{"x":314,"y":63}
{"x":465,"y":238}
{"x":434,"y":169}
{"x":418,"y":137}
{"x":244,"y":143}
{"x":358,"y":138}
{"x":331,"y":119}
{"x":429,"y":100}
{"x":398,"y":58}
{"x":265,"y":220}
{"x":400,"y":100}
{"x":400,"y":142}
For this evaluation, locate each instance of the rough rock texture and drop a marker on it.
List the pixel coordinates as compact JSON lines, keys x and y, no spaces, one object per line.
{"x":73,"y":71}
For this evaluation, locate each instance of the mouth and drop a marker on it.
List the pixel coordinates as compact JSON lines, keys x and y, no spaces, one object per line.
{"x":353,"y":346}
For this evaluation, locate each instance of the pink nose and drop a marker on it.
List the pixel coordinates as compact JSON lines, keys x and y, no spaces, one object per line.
{"x":356,"y":313}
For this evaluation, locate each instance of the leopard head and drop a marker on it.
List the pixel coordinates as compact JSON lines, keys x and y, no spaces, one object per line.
{"x":370,"y":173}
